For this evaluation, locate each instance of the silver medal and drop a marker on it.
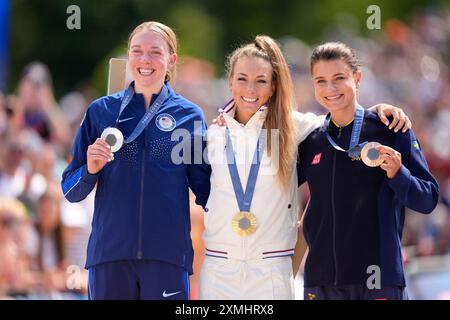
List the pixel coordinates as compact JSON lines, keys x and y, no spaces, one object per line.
{"x":113,"y":137}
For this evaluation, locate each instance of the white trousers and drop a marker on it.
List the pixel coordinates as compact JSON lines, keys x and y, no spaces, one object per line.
{"x":264,"y":279}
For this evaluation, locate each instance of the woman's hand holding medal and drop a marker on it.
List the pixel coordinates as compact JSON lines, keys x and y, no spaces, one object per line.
{"x":374,"y":154}
{"x":392,"y":160}
{"x":98,"y":155}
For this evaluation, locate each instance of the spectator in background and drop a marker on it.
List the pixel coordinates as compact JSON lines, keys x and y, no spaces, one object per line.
{"x":14,"y":272}
{"x":11,"y":116}
{"x":76,"y":218}
{"x":41,"y":112}
{"x":3,"y":115}
{"x":13,"y":175}
{"x":47,"y":246}
{"x":74,"y":105}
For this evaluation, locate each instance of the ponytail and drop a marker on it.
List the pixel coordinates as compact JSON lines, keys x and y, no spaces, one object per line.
{"x":280,"y":106}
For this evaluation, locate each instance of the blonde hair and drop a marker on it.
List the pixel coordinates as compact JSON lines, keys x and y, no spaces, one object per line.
{"x":12,"y":207}
{"x":167,"y":34}
{"x":280,"y":106}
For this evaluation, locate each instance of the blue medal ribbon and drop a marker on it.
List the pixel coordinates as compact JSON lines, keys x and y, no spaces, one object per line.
{"x":355,"y":147}
{"x":147,"y":117}
{"x":244,"y":199}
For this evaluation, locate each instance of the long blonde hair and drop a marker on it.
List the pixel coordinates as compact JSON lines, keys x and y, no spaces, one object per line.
{"x":168,"y":35}
{"x":280,"y":106}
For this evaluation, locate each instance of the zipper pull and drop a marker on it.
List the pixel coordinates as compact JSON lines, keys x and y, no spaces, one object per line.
{"x":339,"y":133}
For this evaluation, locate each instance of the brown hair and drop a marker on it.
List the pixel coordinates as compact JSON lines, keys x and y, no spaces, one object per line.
{"x":335,"y":50}
{"x":168,"y":35}
{"x":57,"y":233}
{"x":280,"y":111}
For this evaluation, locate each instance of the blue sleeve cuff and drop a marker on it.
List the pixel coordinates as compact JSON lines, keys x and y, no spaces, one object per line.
{"x":201,"y":201}
{"x":400,"y":183}
{"x":89,"y":178}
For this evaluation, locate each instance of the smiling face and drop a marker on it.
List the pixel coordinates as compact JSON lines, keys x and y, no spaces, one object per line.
{"x":335,"y":85}
{"x":149,"y":59}
{"x":251,"y":84}
{"x":48,"y":214}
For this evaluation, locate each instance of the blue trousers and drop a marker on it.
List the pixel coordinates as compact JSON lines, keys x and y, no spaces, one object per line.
{"x":355,"y":292}
{"x":138,"y":280}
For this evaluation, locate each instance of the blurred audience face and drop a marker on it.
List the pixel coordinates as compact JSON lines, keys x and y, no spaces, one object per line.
{"x":14,"y":155}
{"x":48,"y":213}
{"x":44,"y":158}
{"x":8,"y":224}
{"x":3,"y":114}
{"x":30,"y":94}
{"x":12,"y":220}
{"x":35,"y":87}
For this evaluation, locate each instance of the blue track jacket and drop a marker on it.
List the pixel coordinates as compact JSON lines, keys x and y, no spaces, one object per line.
{"x":142,"y":197}
{"x":356,"y":214}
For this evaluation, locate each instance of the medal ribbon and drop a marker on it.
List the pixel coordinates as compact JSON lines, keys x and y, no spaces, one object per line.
{"x":147,"y":117}
{"x":356,"y":131}
{"x":244,"y":199}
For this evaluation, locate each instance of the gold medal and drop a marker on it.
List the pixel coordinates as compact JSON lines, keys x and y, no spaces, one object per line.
{"x":370,"y":155}
{"x":113,"y":137}
{"x":244,"y":223}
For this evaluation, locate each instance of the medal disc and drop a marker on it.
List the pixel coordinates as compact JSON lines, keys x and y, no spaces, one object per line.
{"x":113,"y":137}
{"x":244,"y":223}
{"x":370,"y":155}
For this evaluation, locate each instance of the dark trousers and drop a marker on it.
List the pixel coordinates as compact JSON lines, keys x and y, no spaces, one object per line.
{"x":138,"y":280}
{"x":355,"y":292}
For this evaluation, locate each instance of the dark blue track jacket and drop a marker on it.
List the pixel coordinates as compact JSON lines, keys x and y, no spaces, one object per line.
{"x":356,"y":214}
{"x":142,"y":197}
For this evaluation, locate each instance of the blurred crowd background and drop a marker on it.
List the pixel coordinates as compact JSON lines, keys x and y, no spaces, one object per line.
{"x":49,"y":74}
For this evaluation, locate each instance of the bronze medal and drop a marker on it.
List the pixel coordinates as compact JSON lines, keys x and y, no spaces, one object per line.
{"x":370,"y":155}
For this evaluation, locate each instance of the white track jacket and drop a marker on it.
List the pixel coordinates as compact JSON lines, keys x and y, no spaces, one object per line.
{"x":276,"y":209}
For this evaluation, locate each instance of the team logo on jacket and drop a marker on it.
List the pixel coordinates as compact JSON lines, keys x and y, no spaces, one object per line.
{"x":316,"y":159}
{"x":165,"y":122}
{"x":416,"y":145}
{"x":311,"y":296}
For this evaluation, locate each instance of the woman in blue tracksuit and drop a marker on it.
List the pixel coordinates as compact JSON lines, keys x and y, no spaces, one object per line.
{"x":140,"y":245}
{"x":359,"y":189}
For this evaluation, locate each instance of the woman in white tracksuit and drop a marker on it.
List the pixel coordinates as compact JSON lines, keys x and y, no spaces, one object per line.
{"x":251,"y":215}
